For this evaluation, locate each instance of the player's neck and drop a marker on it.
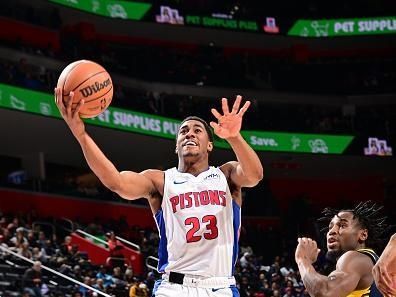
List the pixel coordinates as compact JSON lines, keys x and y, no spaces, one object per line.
{"x":194,"y":168}
{"x":361,"y":246}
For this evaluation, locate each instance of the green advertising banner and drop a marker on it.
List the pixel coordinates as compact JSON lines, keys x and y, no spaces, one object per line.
{"x":297,"y":142}
{"x":109,"y":8}
{"x":344,"y":27}
{"x":213,"y":22}
{"x":137,"y":122}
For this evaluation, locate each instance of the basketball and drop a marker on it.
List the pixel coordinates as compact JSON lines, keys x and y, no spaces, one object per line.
{"x":89,"y":81}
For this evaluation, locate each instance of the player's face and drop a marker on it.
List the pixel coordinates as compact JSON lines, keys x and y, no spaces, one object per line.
{"x":192,"y":140}
{"x":344,"y":234}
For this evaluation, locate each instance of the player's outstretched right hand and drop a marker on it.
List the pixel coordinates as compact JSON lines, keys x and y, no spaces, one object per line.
{"x":71,"y":116}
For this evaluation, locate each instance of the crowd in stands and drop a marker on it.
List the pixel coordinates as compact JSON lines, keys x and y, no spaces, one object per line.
{"x":21,"y":235}
{"x":265,"y":266}
{"x":265,"y":270}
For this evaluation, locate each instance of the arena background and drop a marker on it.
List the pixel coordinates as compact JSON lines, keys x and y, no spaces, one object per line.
{"x":321,"y":78}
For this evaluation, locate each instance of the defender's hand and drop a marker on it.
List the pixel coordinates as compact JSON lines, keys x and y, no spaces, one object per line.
{"x":307,"y":249}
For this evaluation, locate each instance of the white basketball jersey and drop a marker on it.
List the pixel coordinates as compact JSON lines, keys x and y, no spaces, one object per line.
{"x":198,"y":224}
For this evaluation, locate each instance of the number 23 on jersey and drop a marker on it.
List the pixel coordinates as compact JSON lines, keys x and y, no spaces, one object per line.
{"x":208,"y":222}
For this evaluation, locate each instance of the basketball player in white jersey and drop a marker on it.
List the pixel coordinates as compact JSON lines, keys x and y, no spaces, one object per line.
{"x":197,"y":207}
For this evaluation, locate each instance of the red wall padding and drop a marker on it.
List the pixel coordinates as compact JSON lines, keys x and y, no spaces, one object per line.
{"x":327,"y":192}
{"x":30,"y":34}
{"x":72,"y":208}
{"x":46,"y":205}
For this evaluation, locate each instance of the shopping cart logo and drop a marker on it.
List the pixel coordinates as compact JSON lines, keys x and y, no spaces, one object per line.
{"x":321,"y":29}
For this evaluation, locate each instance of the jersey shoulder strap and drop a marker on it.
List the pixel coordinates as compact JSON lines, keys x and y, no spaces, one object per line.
{"x":369,"y":252}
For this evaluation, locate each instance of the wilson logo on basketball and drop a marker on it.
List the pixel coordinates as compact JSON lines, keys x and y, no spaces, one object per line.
{"x":96,"y":87}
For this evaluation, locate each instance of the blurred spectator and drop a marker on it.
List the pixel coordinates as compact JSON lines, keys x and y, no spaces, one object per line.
{"x":128,"y":275}
{"x":85,"y":292}
{"x":31,"y":238}
{"x":32,"y":280}
{"x":100,"y":285}
{"x":138,"y":289}
{"x":116,"y":258}
{"x":289,"y":292}
{"x":115,"y":246}
{"x":24,"y":250}
{"x":41,"y":241}
{"x":118,"y":277}
{"x":106,"y":278}
{"x":19,"y":238}
{"x":67,"y":246}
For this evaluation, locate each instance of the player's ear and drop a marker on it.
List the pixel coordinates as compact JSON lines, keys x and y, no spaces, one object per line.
{"x":210,"y":146}
{"x":363,"y":235}
{"x":176,"y":150}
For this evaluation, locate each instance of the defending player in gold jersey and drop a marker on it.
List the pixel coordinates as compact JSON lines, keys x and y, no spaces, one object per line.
{"x":350,"y":234}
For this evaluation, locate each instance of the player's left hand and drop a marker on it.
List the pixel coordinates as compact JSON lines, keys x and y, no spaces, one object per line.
{"x":229,"y":124}
{"x":307,"y":249}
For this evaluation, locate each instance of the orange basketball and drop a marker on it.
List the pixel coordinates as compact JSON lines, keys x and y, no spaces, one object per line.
{"x":89,"y":81}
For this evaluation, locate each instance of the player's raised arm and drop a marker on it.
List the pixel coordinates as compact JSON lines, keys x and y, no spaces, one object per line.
{"x":128,"y":184}
{"x":248,"y":171}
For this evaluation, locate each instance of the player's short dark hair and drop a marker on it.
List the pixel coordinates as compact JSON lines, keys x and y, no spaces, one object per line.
{"x":369,"y":217}
{"x":206,"y":125}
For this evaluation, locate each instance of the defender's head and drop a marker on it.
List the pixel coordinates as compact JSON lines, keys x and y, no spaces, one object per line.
{"x":351,"y":229}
